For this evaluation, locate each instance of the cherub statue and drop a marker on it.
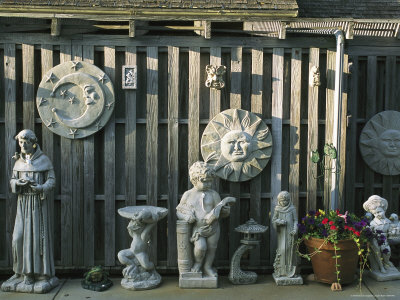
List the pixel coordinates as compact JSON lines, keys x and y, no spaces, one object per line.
{"x":140,"y":273}
{"x":32,"y":247}
{"x":202,"y":207}
{"x":285,"y":223}
{"x":382,"y":268}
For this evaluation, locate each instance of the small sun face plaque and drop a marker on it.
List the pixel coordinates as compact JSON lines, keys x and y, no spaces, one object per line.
{"x":129,"y":77}
{"x":380,"y":143}
{"x":237,"y":143}
{"x":75,"y":99}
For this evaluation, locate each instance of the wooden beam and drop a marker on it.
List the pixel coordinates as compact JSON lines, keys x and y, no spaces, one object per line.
{"x":132,"y":28}
{"x":55,"y":27}
{"x":282,"y":31}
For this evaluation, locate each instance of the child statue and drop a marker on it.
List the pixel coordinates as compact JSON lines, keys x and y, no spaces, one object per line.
{"x":285,"y":223}
{"x":32,"y":247}
{"x":200,"y":209}
{"x":382,"y":268}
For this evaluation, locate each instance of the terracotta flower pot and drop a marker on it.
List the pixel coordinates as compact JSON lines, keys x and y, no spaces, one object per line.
{"x":323,"y":263}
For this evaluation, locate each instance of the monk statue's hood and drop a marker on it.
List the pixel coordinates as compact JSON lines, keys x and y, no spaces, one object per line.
{"x":38,"y":163}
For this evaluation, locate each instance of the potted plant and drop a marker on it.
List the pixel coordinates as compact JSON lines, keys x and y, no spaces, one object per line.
{"x":337,"y":243}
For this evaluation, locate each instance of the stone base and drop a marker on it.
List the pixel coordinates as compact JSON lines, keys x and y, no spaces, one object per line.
{"x":295,"y":280}
{"x":392,"y":274}
{"x":195,"y":280}
{"x":38,"y":287}
{"x":146,"y":283}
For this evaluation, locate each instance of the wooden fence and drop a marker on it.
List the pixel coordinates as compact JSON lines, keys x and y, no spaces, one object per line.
{"x":143,"y":153}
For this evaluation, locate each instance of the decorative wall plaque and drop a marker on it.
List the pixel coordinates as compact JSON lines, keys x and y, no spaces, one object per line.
{"x":215,"y":78}
{"x":237,"y":143}
{"x":129,"y":77}
{"x":380,"y":143}
{"x":75,"y":99}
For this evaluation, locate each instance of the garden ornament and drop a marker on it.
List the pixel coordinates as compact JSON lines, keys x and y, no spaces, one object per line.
{"x":96,"y":279}
{"x":214,"y":76}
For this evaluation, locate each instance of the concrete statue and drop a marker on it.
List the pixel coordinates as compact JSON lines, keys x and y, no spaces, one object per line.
{"x":285,"y":222}
{"x":382,"y":269}
{"x":380,"y":143}
{"x":140,"y":272}
{"x":75,"y":99}
{"x":32,"y":247}
{"x":237,"y":143}
{"x":215,"y":77}
{"x":198,"y":229}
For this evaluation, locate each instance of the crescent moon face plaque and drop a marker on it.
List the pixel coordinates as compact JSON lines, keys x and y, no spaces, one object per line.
{"x":237,"y":143}
{"x":75,"y":99}
{"x":380,"y":143}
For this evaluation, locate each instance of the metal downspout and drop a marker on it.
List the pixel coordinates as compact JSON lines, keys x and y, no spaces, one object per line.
{"x":337,"y":130}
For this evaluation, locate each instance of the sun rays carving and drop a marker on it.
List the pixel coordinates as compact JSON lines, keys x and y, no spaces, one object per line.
{"x":380,"y":143}
{"x":237,"y":143}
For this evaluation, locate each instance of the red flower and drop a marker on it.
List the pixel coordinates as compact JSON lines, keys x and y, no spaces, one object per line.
{"x":357,"y":233}
{"x":333,"y":227}
{"x":324,"y":221}
{"x":351,"y":229}
{"x":331,"y":222}
{"x":337,"y":212}
{"x":317,"y":213}
{"x":346,"y":227}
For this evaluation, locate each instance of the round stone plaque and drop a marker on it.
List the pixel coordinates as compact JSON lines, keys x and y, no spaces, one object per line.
{"x":380,"y":143}
{"x":75,"y":99}
{"x":237,"y":143}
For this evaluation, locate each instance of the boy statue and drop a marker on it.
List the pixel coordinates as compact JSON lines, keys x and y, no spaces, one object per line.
{"x":198,"y":227}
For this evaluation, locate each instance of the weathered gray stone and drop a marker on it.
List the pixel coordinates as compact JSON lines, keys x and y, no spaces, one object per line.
{"x":214,"y":77}
{"x":33,"y":178}
{"x":198,"y":229}
{"x":295,"y":280}
{"x":140,"y":273}
{"x":237,"y":143}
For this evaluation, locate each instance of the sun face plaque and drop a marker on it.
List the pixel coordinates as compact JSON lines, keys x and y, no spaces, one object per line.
{"x":237,"y":143}
{"x":380,"y":143}
{"x":75,"y":99}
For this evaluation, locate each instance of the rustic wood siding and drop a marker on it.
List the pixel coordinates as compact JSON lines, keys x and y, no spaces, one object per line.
{"x":142,"y":155}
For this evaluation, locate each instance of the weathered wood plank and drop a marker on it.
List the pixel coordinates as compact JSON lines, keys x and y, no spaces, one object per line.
{"x":66,"y":186}
{"x":215,"y":95}
{"x":236,"y":77}
{"x":194,"y":106}
{"x":28,"y":86}
{"x":130,"y":134}
{"x":370,"y":112}
{"x":276,"y":128}
{"x":173,"y":157}
{"x":312,"y":186}
{"x":330,"y":88}
{"x":257,"y":64}
{"x":352,"y":137}
{"x":10,"y":118}
{"x":295,"y":104}
{"x":47,"y":135}
{"x":109,"y":167}
{"x":342,"y":158}
{"x":77,"y":185}
{"x":234,"y":187}
{"x":152,"y":136}
{"x":88,"y":183}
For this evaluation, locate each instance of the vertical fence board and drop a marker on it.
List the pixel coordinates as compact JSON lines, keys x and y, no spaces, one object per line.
{"x":66,"y":186}
{"x":194,"y":106}
{"x":109,"y":167}
{"x":370,"y":111}
{"x":312,"y":186}
{"x":215,"y":95}
{"x":352,"y":138}
{"x":277,"y":114}
{"x":28,"y":86}
{"x":173,"y":158}
{"x":77,"y":186}
{"x":88,"y":183}
{"x":294,"y":160}
{"x":152,"y":136}
{"x":234,"y":187}
{"x":130,"y":134}
{"x":10,"y":119}
{"x":256,"y":107}
{"x":330,"y":89}
{"x":47,"y":135}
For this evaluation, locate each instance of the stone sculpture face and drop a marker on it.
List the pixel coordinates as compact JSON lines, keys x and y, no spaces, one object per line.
{"x":26,"y":146}
{"x":237,"y":143}
{"x":380,"y":143}
{"x":390,"y":143}
{"x":378,"y":213}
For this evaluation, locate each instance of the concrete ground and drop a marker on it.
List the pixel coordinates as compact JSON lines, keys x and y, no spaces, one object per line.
{"x":265,"y":288}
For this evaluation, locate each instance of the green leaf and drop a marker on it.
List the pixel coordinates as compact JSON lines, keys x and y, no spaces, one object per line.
{"x":315,"y":156}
